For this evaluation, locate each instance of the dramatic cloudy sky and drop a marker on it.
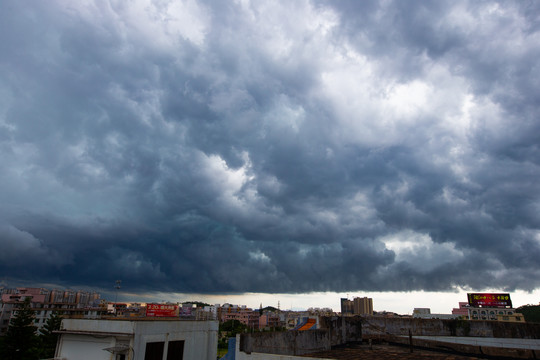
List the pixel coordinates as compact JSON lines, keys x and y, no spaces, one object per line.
{"x":223,"y":147}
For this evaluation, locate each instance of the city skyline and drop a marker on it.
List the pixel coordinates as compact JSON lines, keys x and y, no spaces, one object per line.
{"x":399,"y":302}
{"x":300,"y":148}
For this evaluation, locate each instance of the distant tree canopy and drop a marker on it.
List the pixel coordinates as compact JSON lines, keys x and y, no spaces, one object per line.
{"x":233,"y":327}
{"x":21,"y":341}
{"x":531,"y":313}
{"x":196,"y":303}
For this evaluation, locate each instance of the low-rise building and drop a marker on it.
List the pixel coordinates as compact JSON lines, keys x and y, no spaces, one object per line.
{"x":137,"y":339}
{"x":466,"y":311}
{"x":425,"y":313}
{"x":462,"y":310}
{"x":496,"y":314}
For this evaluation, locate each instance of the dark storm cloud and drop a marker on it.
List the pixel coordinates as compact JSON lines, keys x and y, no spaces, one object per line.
{"x":232,"y":147}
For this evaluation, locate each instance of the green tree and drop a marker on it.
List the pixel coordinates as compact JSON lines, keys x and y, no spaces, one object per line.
{"x":233,"y":327}
{"x":47,"y":336}
{"x":21,"y":341}
{"x":531,"y":313}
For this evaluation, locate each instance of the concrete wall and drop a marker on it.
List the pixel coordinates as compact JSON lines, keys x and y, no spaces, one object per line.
{"x":286,"y":342}
{"x":260,"y":356}
{"x":200,"y":336}
{"x":341,"y":330}
{"x":337,"y":331}
{"x":84,"y":347}
{"x":241,"y":355}
{"x":379,"y":326}
{"x":488,"y":346}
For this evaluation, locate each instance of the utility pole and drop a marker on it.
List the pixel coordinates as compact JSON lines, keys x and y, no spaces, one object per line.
{"x":117,"y":287}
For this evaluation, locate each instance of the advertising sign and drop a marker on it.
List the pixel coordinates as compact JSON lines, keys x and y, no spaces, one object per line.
{"x":186,"y":311}
{"x":489,"y":300}
{"x":161,"y":310}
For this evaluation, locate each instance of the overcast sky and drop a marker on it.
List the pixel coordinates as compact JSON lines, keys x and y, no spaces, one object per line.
{"x":223,"y":147}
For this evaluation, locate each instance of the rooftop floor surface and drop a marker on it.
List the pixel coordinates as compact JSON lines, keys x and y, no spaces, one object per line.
{"x":383,"y":352}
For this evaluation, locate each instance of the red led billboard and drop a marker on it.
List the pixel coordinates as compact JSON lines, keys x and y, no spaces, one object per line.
{"x":160,"y":310}
{"x":489,"y":300}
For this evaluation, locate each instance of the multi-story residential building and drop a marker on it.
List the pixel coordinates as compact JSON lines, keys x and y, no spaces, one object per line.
{"x":211,"y":311}
{"x":347,"y":307}
{"x":358,"y":306}
{"x":462,"y":310}
{"x":248,"y":317}
{"x":269,"y":320}
{"x":68,"y":303}
{"x":363,"y":306}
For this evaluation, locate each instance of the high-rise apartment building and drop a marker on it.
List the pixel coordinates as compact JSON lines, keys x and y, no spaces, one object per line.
{"x":358,"y":306}
{"x":363,"y":306}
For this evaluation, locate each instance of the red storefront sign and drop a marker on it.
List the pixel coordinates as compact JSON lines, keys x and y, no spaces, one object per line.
{"x":160,"y":310}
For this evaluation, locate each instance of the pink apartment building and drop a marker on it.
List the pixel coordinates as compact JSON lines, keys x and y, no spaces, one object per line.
{"x":463,"y":310}
{"x":69,"y":303}
{"x":248,"y":317}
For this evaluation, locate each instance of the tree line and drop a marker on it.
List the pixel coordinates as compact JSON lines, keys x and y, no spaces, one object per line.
{"x":22,"y":340}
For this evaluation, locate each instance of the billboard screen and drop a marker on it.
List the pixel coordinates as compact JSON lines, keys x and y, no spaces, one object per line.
{"x":161,"y":310}
{"x":489,"y":300}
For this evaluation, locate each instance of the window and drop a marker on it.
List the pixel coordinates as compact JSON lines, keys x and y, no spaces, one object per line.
{"x":175,"y":350}
{"x":154,"y":351}
{"x":506,"y":318}
{"x":518,"y":318}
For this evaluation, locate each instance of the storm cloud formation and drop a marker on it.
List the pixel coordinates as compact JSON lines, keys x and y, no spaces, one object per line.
{"x":233,"y":146}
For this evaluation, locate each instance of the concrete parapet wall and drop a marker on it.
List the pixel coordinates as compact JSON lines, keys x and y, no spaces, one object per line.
{"x":373,"y":327}
{"x":286,"y":343}
{"x":342,"y":330}
{"x":482,"y":350}
{"x":337,"y":331}
{"x":259,"y":356}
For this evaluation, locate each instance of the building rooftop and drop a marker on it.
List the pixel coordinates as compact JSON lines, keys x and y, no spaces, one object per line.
{"x":384,"y":351}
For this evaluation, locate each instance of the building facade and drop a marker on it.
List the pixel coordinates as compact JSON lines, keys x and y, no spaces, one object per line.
{"x":357,"y":306}
{"x":137,"y":339}
{"x":45,"y":302}
{"x":466,"y":311}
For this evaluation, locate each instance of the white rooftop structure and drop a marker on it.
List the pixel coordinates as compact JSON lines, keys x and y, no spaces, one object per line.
{"x":137,"y":339}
